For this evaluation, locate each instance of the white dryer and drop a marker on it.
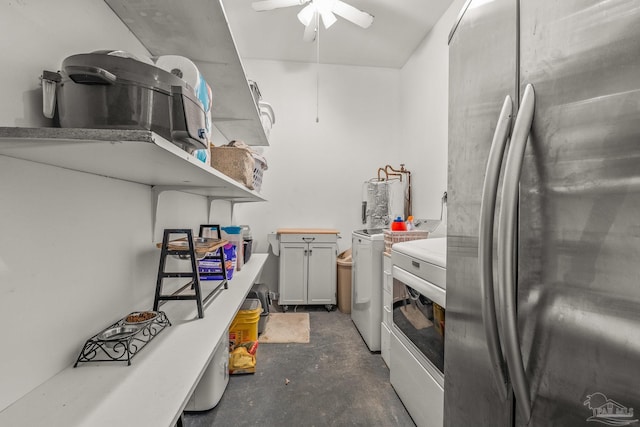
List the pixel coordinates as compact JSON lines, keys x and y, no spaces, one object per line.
{"x":366,"y":280}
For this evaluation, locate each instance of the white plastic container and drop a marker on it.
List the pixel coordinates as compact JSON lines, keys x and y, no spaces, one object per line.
{"x":188,"y":71}
{"x":267,"y":117}
{"x":214,"y":380}
{"x":233,"y":234}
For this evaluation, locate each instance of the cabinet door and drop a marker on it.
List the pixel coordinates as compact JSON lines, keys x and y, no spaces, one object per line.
{"x":293,"y":273}
{"x":322,"y":274}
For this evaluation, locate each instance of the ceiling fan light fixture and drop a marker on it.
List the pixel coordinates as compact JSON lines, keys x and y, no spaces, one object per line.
{"x":323,"y":7}
{"x":310,"y":15}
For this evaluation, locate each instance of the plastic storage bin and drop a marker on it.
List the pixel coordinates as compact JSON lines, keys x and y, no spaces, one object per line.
{"x":245,"y":325}
{"x":207,"y":265}
{"x":214,"y":379}
{"x":345,"y":263}
{"x":248,"y":244}
{"x":391,"y":237}
{"x":233,"y":234}
{"x":261,"y":291}
{"x":258,"y":170}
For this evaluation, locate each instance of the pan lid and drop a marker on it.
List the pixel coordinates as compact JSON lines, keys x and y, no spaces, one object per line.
{"x":121,"y":68}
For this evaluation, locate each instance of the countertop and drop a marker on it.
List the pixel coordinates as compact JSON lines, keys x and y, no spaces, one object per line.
{"x":307,"y":231}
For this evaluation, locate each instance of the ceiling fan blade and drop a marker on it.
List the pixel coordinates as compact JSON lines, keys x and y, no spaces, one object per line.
{"x":328,"y":18}
{"x":261,"y":6}
{"x":350,"y":13}
{"x":306,"y":14}
{"x":310,"y":29}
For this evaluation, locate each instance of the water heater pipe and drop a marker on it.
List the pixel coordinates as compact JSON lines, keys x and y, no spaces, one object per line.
{"x":400,"y":172}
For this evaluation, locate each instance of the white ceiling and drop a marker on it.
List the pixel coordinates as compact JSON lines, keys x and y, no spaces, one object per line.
{"x":398,"y":28}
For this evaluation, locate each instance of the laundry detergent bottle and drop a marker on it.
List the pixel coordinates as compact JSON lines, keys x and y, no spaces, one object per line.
{"x":398,"y":225}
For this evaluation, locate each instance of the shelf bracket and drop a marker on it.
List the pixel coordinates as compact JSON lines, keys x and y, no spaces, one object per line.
{"x":211,"y":199}
{"x":156,"y":190}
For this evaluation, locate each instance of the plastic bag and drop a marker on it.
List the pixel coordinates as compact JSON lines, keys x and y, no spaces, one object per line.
{"x":242,"y":360}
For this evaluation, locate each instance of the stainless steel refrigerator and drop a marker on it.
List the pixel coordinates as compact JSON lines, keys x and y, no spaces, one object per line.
{"x":543,"y":256}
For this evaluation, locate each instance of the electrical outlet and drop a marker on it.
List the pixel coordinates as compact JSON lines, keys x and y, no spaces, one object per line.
{"x":273,"y":295}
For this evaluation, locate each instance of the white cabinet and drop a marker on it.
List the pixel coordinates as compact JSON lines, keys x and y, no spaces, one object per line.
{"x":387,"y":310}
{"x":307,"y":269}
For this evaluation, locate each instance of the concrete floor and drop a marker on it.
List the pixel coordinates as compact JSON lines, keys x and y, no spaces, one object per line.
{"x":333,"y":381}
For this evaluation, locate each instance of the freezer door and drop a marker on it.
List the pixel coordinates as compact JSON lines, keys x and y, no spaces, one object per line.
{"x":579,"y":237}
{"x":482,"y":72}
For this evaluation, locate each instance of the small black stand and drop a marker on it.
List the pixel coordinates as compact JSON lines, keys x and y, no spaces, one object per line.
{"x":101,"y":349}
{"x":189,"y":252}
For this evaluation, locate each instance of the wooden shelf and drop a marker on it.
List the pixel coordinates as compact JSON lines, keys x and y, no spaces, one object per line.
{"x":199,"y":30}
{"x":154,"y":390}
{"x":131,"y":155}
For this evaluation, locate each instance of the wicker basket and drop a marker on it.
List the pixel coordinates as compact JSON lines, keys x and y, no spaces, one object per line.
{"x":236,"y":163}
{"x":391,"y":237}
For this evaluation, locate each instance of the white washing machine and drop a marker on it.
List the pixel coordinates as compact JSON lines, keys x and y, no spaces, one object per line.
{"x":366,"y":284}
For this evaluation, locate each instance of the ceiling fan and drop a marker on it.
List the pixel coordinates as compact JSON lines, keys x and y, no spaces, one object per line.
{"x":310,"y":15}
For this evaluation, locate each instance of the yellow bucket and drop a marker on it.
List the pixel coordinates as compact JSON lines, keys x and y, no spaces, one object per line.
{"x":245,"y":325}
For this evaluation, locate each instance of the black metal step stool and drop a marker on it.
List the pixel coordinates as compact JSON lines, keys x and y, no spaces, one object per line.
{"x":190,"y":253}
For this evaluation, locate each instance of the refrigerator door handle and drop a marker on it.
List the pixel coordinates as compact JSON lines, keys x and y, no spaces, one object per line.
{"x":507,"y":228}
{"x":485,"y":247}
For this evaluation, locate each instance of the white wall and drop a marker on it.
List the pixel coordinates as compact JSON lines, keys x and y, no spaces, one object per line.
{"x":37,"y":35}
{"x":76,"y":250}
{"x":316,"y":170}
{"x":423,"y":116}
